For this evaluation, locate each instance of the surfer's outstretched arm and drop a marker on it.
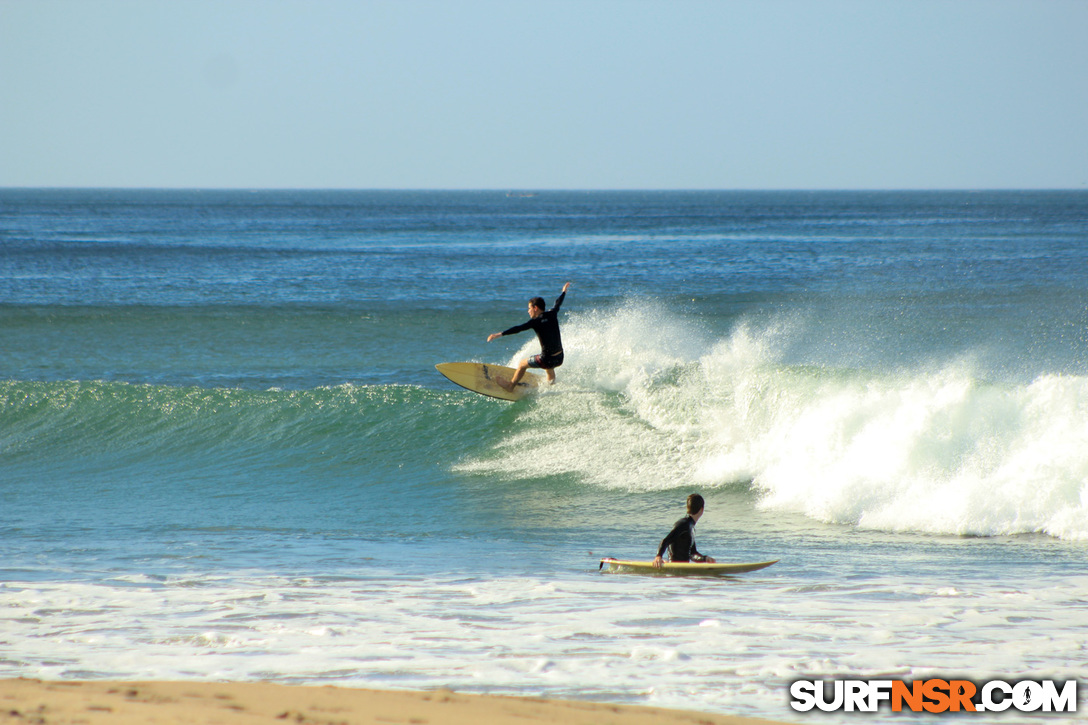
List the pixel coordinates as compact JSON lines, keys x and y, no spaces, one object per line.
{"x":559,"y":299}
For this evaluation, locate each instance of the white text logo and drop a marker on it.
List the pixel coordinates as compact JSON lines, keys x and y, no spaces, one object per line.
{"x":934,"y":695}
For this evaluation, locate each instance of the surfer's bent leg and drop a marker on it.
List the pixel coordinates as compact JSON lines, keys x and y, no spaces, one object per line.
{"x":522,"y":367}
{"x":518,"y":375}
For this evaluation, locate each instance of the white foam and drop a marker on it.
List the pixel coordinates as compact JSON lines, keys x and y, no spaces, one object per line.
{"x":649,"y":401}
{"x":707,"y":646}
{"x":936,"y":452}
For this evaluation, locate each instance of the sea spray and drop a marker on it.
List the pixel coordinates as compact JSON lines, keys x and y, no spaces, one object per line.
{"x":648,"y":401}
{"x":938,"y":452}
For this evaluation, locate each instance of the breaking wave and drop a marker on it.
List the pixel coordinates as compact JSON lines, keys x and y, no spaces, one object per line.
{"x":650,"y":402}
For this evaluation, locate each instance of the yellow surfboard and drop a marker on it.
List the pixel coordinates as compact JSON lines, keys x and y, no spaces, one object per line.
{"x":684,"y":568}
{"x":481,"y":378}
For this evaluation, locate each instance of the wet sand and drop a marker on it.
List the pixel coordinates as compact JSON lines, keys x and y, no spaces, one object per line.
{"x":102,"y":702}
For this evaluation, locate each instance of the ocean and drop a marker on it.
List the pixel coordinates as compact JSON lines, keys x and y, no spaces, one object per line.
{"x":225,"y":452}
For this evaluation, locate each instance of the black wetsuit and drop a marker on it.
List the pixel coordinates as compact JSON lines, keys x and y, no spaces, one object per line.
{"x":546,"y":327}
{"x":681,"y":542}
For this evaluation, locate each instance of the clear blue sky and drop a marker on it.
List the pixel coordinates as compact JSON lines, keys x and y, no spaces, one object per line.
{"x":540,"y":94}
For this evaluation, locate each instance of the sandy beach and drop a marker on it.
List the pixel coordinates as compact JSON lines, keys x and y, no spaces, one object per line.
{"x":195,"y":703}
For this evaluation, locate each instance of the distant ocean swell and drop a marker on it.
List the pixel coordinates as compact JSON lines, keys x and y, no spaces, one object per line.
{"x":939,"y":450}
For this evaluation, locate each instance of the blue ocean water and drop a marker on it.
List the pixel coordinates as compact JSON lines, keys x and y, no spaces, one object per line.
{"x":225,"y":452}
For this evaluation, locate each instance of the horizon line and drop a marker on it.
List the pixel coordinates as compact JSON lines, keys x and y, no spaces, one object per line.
{"x":548,"y":190}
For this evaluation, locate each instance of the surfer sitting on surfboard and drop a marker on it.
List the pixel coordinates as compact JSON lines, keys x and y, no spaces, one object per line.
{"x":681,"y":540}
{"x":546,"y":326}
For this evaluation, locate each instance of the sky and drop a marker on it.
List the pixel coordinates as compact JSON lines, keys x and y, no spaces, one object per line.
{"x":544,"y":94}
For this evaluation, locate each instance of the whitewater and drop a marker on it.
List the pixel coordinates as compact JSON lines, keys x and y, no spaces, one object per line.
{"x":940,"y":450}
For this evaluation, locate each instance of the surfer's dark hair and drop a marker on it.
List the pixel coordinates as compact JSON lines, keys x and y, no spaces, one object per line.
{"x":695,"y":503}
{"x":537,"y":302}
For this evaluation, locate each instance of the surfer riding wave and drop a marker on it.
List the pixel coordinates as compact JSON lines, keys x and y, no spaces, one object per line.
{"x":545,"y":323}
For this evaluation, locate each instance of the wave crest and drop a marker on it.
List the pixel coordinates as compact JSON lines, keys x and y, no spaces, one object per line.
{"x":650,"y":402}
